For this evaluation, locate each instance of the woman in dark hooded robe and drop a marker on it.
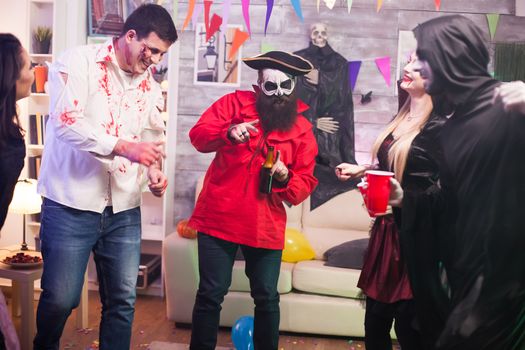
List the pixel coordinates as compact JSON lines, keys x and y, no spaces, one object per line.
{"x":479,"y":205}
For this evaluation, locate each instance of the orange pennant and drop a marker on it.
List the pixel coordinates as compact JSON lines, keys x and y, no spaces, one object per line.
{"x":438,"y":4}
{"x":239,"y":37}
{"x":191,"y":6}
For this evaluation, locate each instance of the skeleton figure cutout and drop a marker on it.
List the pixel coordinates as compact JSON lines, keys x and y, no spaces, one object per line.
{"x":319,"y":33}
{"x":325,"y":89}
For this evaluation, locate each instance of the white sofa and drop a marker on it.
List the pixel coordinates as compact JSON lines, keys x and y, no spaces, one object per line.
{"x":314,"y":298}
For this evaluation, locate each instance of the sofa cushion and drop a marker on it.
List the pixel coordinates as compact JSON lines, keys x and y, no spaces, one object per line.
{"x":345,"y":211}
{"x":341,"y":219}
{"x":348,"y":254}
{"x":293,"y":216}
{"x":241,"y":283}
{"x":322,"y":239}
{"x":313,"y":277}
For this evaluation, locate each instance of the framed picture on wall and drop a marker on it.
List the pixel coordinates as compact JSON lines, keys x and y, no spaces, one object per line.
{"x":406,"y":45}
{"x":131,"y":5}
{"x":212,"y":63}
{"x":106,"y":17}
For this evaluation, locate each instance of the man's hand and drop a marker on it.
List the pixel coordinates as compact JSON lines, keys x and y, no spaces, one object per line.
{"x":145,"y":153}
{"x":512,"y":96}
{"x":396,"y":193}
{"x":313,"y":77}
{"x":279,"y":170}
{"x":327,"y":124}
{"x":345,"y":171}
{"x":157,"y":181}
{"x":240,"y":133}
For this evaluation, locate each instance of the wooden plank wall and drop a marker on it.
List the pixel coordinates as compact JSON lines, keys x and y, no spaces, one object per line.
{"x":362,"y":34}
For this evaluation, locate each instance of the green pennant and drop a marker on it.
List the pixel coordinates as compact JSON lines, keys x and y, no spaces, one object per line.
{"x":493,"y":19}
{"x":175,"y":14}
{"x":266,"y":47}
{"x":349,"y":4}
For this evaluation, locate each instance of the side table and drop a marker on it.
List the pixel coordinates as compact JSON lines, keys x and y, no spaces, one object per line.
{"x":23,"y":290}
{"x":23,"y":285}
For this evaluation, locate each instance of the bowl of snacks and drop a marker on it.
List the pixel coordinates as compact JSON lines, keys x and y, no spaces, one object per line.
{"x":22,"y":260}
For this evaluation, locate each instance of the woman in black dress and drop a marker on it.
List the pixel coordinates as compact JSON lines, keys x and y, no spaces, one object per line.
{"x":408,"y":148}
{"x":16,"y":78}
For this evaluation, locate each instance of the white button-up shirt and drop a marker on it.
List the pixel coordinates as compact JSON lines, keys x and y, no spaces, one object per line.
{"x":95,"y":106}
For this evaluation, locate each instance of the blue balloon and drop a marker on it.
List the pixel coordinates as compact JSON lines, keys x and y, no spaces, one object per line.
{"x":242,"y":333}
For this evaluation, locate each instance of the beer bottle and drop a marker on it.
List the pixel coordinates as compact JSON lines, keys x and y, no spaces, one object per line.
{"x":265,"y":184}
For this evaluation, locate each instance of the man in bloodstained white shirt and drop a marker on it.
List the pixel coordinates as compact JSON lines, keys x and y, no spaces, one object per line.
{"x":104,"y":136}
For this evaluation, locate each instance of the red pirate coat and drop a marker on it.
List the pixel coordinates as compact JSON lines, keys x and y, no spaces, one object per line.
{"x":230,"y":206}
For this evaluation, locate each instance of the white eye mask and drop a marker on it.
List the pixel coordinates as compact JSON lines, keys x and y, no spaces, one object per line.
{"x":275,"y":82}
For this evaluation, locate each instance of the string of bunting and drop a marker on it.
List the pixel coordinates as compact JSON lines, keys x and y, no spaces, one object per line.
{"x":220,"y":22}
{"x":296,"y":4}
{"x":382,"y":63}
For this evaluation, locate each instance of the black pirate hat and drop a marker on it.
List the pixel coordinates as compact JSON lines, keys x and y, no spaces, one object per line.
{"x":284,"y":61}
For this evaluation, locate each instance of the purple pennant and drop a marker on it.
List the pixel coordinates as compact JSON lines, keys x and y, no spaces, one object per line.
{"x":269,"y":8}
{"x":246,"y":14}
{"x":297,"y":7}
{"x":353,"y":71}
{"x":225,"y":14}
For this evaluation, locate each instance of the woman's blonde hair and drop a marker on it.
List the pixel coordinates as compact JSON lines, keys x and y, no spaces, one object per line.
{"x":398,"y":152}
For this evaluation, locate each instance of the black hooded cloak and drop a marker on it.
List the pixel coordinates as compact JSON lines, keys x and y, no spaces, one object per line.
{"x":332,"y":97}
{"x":476,"y":216}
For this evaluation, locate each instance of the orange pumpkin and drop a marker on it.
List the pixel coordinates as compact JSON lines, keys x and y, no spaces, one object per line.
{"x":189,"y":232}
{"x":186,"y":231}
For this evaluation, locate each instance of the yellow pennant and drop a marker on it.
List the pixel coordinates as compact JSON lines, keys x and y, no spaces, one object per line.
{"x":379,"y":5}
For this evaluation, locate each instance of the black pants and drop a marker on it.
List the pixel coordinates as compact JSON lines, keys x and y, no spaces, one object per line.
{"x":378,"y":322}
{"x":216,"y":258}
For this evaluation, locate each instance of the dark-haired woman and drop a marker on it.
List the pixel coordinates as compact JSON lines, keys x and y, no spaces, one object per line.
{"x":16,"y":78}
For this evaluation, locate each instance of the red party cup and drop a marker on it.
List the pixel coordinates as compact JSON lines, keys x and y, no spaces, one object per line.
{"x":377,"y":191}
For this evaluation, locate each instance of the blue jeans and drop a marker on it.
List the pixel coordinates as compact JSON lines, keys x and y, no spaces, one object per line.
{"x":68,"y":236}
{"x":216,"y":258}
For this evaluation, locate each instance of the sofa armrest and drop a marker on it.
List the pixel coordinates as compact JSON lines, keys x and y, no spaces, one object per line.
{"x":181,"y":274}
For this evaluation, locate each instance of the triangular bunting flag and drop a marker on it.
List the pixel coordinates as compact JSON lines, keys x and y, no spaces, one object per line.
{"x":330,"y":4}
{"x":349,"y":3}
{"x":383,"y":63}
{"x":191,"y":7}
{"x":266,"y":47}
{"x":175,"y":9}
{"x":493,"y":19}
{"x":215,"y":24}
{"x":239,"y":37}
{"x":269,"y":8}
{"x":207,"y":7}
{"x":297,"y":8}
{"x":246,"y":14}
{"x":438,"y":4}
{"x":379,"y":5}
{"x":199,"y":8}
{"x":353,"y":71}
{"x":225,"y":14}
